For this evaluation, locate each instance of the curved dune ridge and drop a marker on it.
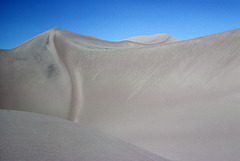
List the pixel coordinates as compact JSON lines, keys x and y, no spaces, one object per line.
{"x":177,"y":99}
{"x":92,"y":42}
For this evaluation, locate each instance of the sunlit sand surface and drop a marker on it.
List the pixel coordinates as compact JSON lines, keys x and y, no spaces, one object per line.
{"x":177,"y":99}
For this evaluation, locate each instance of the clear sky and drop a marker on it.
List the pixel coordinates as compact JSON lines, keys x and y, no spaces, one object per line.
{"x":114,"y":20}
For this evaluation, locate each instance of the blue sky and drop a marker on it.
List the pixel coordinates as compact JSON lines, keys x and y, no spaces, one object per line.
{"x":114,"y":20}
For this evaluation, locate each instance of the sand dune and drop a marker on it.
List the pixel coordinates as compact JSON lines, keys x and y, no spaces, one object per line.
{"x":28,"y":136}
{"x":153,"y":39}
{"x":177,"y":99}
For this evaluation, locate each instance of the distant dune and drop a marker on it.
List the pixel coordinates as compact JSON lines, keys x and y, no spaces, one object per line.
{"x":153,"y":39}
{"x":177,"y":99}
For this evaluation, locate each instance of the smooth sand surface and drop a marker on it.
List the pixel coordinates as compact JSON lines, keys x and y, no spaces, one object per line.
{"x":179,"y":99}
{"x":153,"y":39}
{"x":28,"y":136}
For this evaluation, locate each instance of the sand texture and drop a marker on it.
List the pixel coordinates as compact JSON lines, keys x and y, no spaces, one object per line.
{"x":28,"y":136}
{"x":177,"y":99}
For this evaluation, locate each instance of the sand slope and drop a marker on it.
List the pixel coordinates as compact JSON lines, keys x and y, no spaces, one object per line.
{"x":28,"y":136}
{"x":179,"y":100}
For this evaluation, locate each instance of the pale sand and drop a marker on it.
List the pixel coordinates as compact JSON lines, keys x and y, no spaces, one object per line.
{"x":28,"y":136}
{"x":179,"y":100}
{"x":153,"y":39}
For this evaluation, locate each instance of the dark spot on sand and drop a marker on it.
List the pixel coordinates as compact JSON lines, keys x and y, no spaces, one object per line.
{"x":52,"y":70}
